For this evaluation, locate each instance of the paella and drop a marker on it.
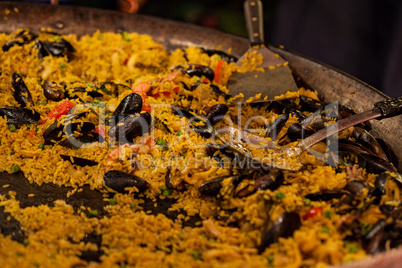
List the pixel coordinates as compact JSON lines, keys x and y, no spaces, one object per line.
{"x":120,"y":114}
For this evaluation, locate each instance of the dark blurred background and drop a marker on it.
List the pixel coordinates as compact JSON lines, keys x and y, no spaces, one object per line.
{"x":360,"y":37}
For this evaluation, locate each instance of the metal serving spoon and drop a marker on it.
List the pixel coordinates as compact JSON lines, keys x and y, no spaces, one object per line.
{"x":234,"y":138}
{"x":277,"y":77}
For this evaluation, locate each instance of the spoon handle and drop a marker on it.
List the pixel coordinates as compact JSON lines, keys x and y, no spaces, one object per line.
{"x":254,"y":21}
{"x":382,"y":109}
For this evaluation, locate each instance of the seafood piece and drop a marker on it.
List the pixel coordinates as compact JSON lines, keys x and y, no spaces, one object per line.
{"x":21,"y":92}
{"x":276,"y":127}
{"x":54,"y":91}
{"x":263,"y":180}
{"x":119,"y":181}
{"x":196,"y":70}
{"x":51,"y":134}
{"x":216,"y":113}
{"x":224,"y":56}
{"x":367,"y":140}
{"x":22,"y":38}
{"x":82,"y":162}
{"x":284,"y":226}
{"x":296,"y":131}
{"x":168,"y":181}
{"x":388,"y":152}
{"x":55,"y":49}
{"x":130,"y":127}
{"x":327,"y":195}
{"x":76,"y":142}
{"x":131,"y":104}
{"x":374,"y":240}
{"x":19,"y":115}
{"x":309,"y":104}
{"x":213,"y":187}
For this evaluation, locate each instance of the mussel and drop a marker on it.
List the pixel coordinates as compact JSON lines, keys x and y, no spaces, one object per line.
{"x":19,"y":115}
{"x":130,"y":127}
{"x":21,"y":92}
{"x":53,"y":91}
{"x":119,"y":181}
{"x":284,"y":226}
{"x":196,"y":70}
{"x":23,"y":37}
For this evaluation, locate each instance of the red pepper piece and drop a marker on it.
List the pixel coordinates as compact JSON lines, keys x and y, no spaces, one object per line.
{"x":218,"y":70}
{"x":312,"y":212}
{"x":56,"y":113}
{"x":100,"y":130}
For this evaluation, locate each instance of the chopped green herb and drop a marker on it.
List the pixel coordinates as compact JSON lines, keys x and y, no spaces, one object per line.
{"x":203,"y":235}
{"x":195,"y":254}
{"x":15,"y":168}
{"x":56,"y":38}
{"x":179,"y":133}
{"x":52,"y":256}
{"x":34,"y":264}
{"x":271,"y":259}
{"x":96,"y":102}
{"x":325,"y":230}
{"x":89,"y":85}
{"x":13,"y":104}
{"x":104,"y":89}
{"x":132,"y":205}
{"x":29,"y":126}
{"x":182,"y":153}
{"x":181,"y":237}
{"x":112,"y":201}
{"x":365,"y":228}
{"x":100,"y":37}
{"x":93,"y":214}
{"x":163,"y":188}
{"x":198,"y":79}
{"x":41,"y":146}
{"x":212,"y":241}
{"x":25,"y":242}
{"x":102,"y":105}
{"x":352,"y":248}
{"x":164,"y":111}
{"x":328,"y":214}
{"x":63,"y":65}
{"x":12,"y":128}
{"x":280,"y":195}
{"x":42,"y":102}
{"x":161,"y":142}
{"x":107,"y":112}
{"x":19,"y":254}
{"x":218,"y":57}
{"x":124,"y":36}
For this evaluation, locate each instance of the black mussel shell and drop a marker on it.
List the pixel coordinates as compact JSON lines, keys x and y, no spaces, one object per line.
{"x":284,"y":226}
{"x":119,"y":180}
{"x":53,"y":91}
{"x":130,"y":127}
{"x":19,"y":115}
{"x":82,"y":162}
{"x":21,"y":93}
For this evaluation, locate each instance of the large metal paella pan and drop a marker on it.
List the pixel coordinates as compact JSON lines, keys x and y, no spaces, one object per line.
{"x":331,"y":84}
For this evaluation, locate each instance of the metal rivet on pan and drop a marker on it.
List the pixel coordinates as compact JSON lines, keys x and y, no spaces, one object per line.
{"x":59,"y":25}
{"x":256,"y":34}
{"x":252,"y":4}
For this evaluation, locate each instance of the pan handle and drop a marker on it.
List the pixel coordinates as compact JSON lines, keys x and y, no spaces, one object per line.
{"x":254,"y":21}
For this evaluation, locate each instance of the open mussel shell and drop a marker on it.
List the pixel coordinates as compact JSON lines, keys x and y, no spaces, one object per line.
{"x":196,"y":70}
{"x":130,"y":127}
{"x":284,"y":226}
{"x":53,"y":91}
{"x":19,"y":115}
{"x":51,"y":134}
{"x":82,"y":162}
{"x":131,"y":104}
{"x":21,"y":93}
{"x":119,"y":181}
